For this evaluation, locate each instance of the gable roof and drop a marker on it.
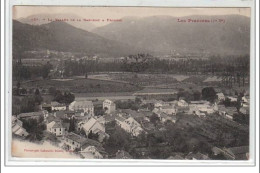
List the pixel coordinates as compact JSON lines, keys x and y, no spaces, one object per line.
{"x":30,"y":114}
{"x":76,"y":138}
{"x":91,"y":142}
{"x":91,"y":123}
{"x":56,"y":104}
{"x":81,"y":104}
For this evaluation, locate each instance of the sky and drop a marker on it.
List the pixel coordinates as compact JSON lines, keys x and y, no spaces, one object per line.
{"x":120,"y":12}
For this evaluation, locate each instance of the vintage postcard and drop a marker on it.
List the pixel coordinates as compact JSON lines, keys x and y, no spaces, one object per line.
{"x":131,"y":83}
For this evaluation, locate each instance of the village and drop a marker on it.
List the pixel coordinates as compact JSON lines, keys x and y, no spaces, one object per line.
{"x":109,"y":128}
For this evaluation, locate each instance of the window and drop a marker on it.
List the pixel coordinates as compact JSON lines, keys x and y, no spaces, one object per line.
{"x":54,"y":130}
{"x":60,"y":129}
{"x":73,"y":142}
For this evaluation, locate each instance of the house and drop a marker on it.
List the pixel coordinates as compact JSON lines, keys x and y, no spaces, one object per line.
{"x":92,"y":149}
{"x":16,"y":121}
{"x":220,"y":96}
{"x":73,"y":141}
{"x":165,"y":117}
{"x":86,"y":106}
{"x":237,"y":153}
{"x":200,"y":102}
{"x":56,"y":106}
{"x":202,"y":107}
{"x":64,"y":114}
{"x":46,"y":107}
{"x":158,"y":104}
{"x":199,"y":114}
{"x":17,"y":127}
{"x":109,"y":118}
{"x":129,"y":124}
{"x":109,"y":106}
{"x":232,"y":99}
{"x":57,"y":128}
{"x":244,"y":99}
{"x":80,"y":121}
{"x":170,"y":110}
{"x":182,"y":103}
{"x":244,"y":110}
{"x":33,"y":115}
{"x":101,"y":120}
{"x":121,"y":154}
{"x":91,"y":152}
{"x":94,"y":126}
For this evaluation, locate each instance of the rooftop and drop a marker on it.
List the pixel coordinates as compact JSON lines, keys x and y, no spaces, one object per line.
{"x":76,"y":138}
{"x":30,"y":114}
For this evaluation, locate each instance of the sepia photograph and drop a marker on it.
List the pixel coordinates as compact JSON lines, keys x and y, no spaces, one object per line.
{"x":130,"y":83}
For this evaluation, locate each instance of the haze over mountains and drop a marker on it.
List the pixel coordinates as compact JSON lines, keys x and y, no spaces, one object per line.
{"x":164,"y":34}
{"x":43,"y":19}
{"x":155,"y":34}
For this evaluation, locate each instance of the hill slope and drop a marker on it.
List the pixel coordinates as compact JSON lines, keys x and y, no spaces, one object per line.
{"x":165,"y":34}
{"x":61,"y":36}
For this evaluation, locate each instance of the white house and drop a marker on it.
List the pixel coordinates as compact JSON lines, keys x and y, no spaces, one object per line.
{"x":91,"y":152}
{"x":109,"y":105}
{"x":73,"y":141}
{"x":55,"y":106}
{"x":232,"y":99}
{"x":17,"y":127}
{"x":202,"y":107}
{"x":130,"y":125}
{"x":94,"y":126}
{"x":182,"y":103}
{"x":220,"y":96}
{"x":158,"y":104}
{"x":86,"y":106}
{"x":164,"y":118}
{"x":56,"y":128}
{"x":170,"y":110}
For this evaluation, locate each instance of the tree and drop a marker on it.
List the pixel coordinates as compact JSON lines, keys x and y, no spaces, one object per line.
{"x":227,"y":102}
{"x":154,"y":119}
{"x":37,"y":92}
{"x":92,"y":135}
{"x":72,"y":125}
{"x":35,"y":128}
{"x":239,"y":102}
{"x":46,"y":70}
{"x":118,"y":140}
{"x":68,"y":97}
{"x":197,"y":95}
{"x":209,"y":94}
{"x":37,"y":97}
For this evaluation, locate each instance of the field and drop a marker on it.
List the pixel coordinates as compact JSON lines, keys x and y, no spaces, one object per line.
{"x":127,"y":84}
{"x":83,"y":85}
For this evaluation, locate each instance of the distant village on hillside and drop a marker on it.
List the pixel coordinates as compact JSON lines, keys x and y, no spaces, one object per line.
{"x":99,"y":129}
